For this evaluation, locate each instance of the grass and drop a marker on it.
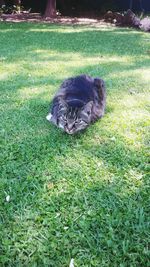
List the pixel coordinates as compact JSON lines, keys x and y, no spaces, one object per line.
{"x":84,"y":197}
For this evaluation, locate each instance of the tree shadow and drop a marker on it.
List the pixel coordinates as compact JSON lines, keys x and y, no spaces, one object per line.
{"x":71,"y":209}
{"x":82,"y":196}
{"x":64,"y":40}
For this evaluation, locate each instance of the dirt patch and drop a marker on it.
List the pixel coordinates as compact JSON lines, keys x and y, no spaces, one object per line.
{"x":36,"y":17}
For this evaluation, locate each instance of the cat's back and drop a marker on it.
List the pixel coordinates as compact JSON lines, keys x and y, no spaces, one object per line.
{"x":79,"y":87}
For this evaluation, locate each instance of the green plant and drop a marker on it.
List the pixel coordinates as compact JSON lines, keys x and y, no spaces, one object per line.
{"x":4,"y":9}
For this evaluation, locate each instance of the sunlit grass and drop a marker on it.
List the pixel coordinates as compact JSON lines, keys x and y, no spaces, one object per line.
{"x":86,"y":196}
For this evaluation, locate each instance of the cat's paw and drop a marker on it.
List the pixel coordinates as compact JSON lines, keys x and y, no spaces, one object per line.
{"x":49,"y":116}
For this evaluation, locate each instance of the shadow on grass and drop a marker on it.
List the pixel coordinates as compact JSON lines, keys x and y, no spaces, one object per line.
{"x":65,"y":40}
{"x":81,"y":196}
{"x":88,"y":206}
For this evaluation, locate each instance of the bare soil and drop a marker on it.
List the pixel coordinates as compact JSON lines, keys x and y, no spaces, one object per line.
{"x":36,"y":17}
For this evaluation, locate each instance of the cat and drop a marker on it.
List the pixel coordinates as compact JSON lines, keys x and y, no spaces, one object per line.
{"x":79,"y":102}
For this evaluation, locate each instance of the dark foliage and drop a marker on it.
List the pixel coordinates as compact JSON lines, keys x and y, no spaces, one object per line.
{"x":127,"y":19}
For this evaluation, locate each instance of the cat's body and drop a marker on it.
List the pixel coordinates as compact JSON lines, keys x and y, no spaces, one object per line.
{"x":79,"y":102}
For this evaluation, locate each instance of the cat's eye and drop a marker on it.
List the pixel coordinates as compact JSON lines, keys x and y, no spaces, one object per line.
{"x":63,"y":118}
{"x":76,"y":122}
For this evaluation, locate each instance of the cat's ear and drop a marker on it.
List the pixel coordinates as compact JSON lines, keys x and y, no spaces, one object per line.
{"x":99,"y":83}
{"x":88,"y":108}
{"x":62,"y":103}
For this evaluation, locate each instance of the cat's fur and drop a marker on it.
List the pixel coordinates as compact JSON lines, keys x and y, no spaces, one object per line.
{"x":79,"y":102}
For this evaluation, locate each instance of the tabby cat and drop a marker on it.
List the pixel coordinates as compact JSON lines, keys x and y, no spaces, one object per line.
{"x":79,"y":102}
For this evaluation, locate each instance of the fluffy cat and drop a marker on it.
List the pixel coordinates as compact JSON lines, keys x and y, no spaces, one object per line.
{"x":80,"y":101}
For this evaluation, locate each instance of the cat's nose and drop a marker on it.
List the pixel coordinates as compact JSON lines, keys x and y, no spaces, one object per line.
{"x":70,"y":127}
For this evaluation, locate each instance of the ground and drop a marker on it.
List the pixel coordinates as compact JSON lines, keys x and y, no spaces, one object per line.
{"x":36,"y":17}
{"x":84,"y":197}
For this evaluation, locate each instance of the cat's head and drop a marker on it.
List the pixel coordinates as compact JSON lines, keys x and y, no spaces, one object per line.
{"x":72,"y":117}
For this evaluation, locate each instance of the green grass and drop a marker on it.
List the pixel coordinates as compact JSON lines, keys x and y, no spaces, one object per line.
{"x":84,"y":197}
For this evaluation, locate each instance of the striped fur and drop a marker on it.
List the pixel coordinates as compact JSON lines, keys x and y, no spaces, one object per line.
{"x":79,"y":102}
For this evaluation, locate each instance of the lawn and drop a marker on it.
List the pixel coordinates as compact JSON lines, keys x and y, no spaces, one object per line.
{"x":84,"y":197}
